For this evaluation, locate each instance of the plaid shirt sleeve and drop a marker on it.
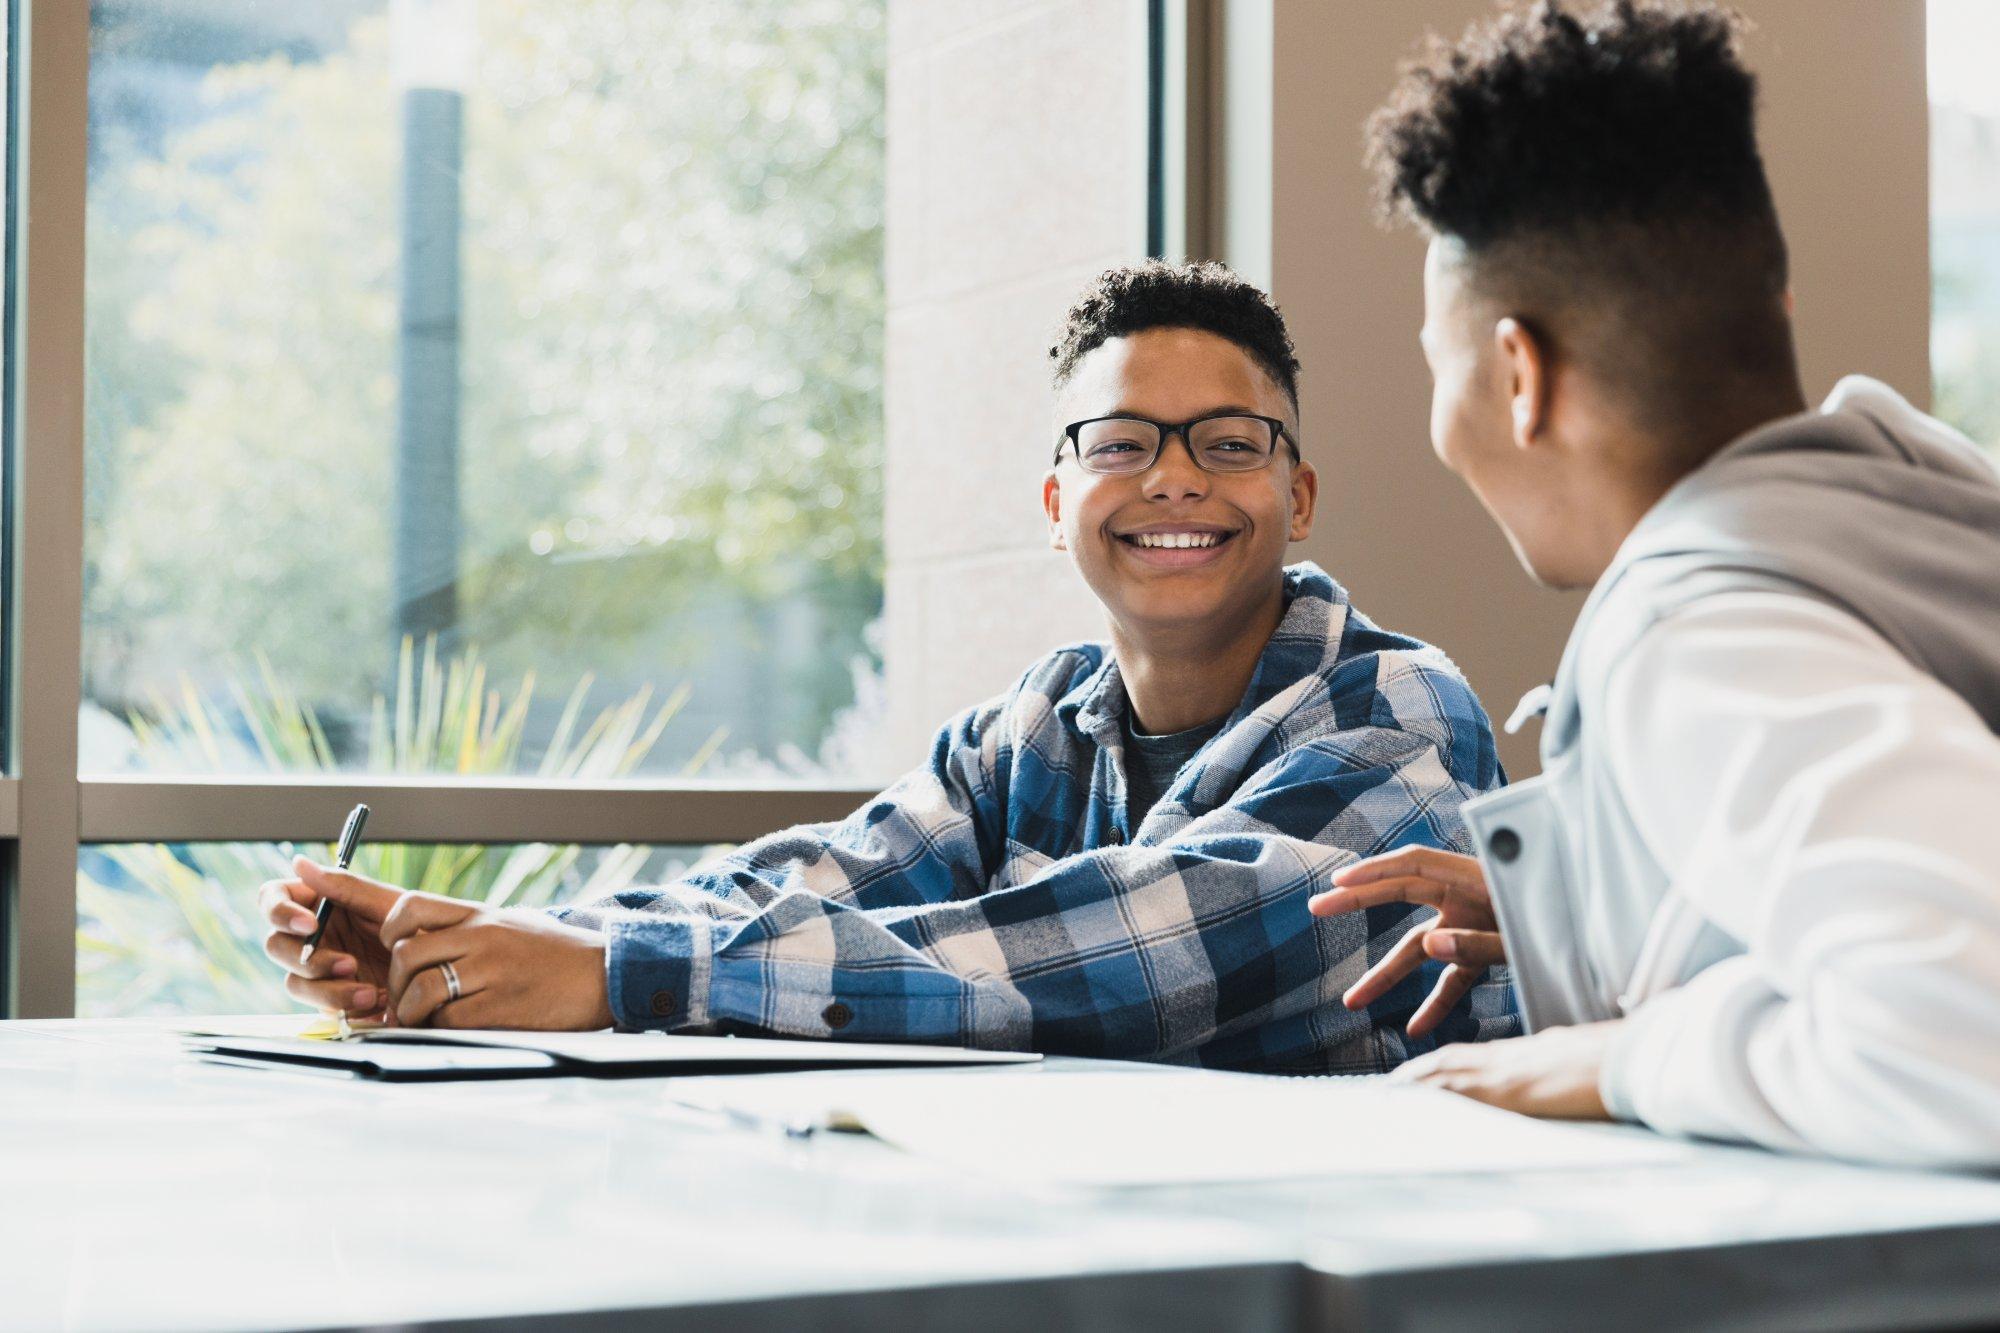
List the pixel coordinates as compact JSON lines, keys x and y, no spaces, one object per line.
{"x":916,"y":919}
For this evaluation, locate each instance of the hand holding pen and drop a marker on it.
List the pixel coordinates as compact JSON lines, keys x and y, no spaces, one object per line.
{"x":336,"y":960}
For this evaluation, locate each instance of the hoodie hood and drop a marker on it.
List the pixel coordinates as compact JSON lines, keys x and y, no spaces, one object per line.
{"x":1867,"y":504}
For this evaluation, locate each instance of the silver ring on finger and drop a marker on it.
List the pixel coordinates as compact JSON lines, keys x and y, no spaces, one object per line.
{"x":451,"y":987}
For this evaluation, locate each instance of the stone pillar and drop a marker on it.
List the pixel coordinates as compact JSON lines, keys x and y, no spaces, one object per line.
{"x":1017,"y":170}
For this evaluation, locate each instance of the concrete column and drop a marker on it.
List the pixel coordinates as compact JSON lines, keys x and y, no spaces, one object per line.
{"x":1016,"y":166}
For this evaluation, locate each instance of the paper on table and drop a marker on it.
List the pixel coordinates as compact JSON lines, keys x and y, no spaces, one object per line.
{"x":1170,"y":1127}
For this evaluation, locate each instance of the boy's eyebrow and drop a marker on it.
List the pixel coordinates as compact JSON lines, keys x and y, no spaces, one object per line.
{"x":1221,"y":410}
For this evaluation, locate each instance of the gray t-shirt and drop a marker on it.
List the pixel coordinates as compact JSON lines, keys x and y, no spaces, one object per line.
{"x":1152,"y":762}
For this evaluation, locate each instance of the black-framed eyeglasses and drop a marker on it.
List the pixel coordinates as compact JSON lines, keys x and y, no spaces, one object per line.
{"x":1221,"y":442}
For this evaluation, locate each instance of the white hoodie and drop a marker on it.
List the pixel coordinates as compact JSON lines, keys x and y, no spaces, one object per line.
{"x":1771,"y":839}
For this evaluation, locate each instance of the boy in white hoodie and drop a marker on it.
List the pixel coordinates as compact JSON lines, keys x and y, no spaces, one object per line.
{"x":1755,"y":894}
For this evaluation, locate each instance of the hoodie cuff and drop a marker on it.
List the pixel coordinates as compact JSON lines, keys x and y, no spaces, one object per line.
{"x":1615,"y":1078}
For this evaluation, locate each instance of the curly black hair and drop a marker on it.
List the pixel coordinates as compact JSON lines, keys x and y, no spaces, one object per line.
{"x":1547,"y":121}
{"x":1155,"y":294}
{"x":1598,"y":174}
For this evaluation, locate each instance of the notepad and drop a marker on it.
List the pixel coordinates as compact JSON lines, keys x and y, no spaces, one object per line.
{"x":423,"y":1054}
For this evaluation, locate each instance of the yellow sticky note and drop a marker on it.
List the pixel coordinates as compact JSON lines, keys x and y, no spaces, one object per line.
{"x":327,"y":1027}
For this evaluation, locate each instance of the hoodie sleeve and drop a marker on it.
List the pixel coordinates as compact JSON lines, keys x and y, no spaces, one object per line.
{"x":1831,"y":807}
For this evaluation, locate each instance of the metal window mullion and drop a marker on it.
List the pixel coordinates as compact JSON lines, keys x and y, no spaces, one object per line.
{"x":426,"y":810}
{"x":49,"y":143}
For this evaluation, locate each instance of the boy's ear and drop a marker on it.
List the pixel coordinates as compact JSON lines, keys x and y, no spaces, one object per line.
{"x":1052,"y":506}
{"x":1305,"y":499}
{"x":1524,"y":363}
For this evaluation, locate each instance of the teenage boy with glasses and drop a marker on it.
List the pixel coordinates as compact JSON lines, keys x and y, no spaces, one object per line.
{"x":1111,"y":859}
{"x":1756,"y":893}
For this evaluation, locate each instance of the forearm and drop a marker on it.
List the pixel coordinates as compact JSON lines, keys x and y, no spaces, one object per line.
{"x":1836,"y":832}
{"x":1127,"y":952}
{"x":832,"y":977}
{"x":1904,"y":1068}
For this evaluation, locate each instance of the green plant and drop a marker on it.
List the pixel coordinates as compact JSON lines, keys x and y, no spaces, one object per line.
{"x":172,"y":928}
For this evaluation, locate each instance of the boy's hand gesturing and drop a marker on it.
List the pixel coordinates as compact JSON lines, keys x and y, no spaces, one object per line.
{"x":1463,"y":933}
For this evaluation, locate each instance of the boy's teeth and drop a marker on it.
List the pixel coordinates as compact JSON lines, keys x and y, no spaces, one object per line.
{"x":1178,"y":539}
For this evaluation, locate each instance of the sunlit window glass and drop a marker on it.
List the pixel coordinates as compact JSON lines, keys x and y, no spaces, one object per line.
{"x":174,"y":929}
{"x":485,"y":386}
{"x":1965,"y":216}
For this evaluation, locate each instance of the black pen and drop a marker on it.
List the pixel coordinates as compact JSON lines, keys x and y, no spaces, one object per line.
{"x":350,"y":838}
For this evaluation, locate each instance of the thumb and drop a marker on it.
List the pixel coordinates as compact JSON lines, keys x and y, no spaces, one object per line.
{"x":365,"y":897}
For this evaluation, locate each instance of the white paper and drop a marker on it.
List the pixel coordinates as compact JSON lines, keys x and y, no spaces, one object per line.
{"x":1170,"y":1127}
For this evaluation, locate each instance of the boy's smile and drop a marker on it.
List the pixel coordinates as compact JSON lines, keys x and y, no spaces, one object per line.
{"x":1178,"y":545}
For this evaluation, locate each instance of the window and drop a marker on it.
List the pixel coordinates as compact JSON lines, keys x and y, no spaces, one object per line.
{"x":509,"y":358}
{"x":172,"y":928}
{"x":483,"y":409}
{"x":1965,"y":216}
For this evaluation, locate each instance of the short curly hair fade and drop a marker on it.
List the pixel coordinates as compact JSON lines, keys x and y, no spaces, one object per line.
{"x":1158,"y":295}
{"x":1597,"y":173}
{"x":1543,"y":120}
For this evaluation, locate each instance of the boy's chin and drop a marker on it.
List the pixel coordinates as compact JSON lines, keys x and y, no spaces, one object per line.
{"x":1549,"y":569}
{"x":1169,"y":604}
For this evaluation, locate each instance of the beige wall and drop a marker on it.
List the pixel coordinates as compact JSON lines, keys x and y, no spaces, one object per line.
{"x":1016,"y":171}
{"x":1844,"y":126}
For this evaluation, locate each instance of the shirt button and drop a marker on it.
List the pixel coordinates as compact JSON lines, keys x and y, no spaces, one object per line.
{"x":663,"y":1004}
{"x":838,"y":1015}
{"x":1505,"y":844}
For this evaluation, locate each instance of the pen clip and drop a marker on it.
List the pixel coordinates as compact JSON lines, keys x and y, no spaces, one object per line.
{"x":350,"y":836}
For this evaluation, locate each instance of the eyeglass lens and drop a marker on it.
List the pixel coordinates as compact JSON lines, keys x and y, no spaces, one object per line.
{"x":1219,"y":444}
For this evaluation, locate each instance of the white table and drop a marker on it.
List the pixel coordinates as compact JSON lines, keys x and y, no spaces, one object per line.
{"x":141,"y":1189}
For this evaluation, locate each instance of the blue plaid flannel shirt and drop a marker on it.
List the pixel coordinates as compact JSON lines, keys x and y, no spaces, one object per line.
{"x":1000,"y":897}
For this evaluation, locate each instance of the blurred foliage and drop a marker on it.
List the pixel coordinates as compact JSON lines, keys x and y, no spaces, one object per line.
{"x":1965,"y":345}
{"x":174,"y":929}
{"x":1965,"y":265}
{"x":671,"y":358}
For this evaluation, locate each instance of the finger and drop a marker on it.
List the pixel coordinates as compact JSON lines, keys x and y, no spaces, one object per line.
{"x":474,"y":1011}
{"x":423,"y":911}
{"x":421,"y":999}
{"x":1444,"y":997}
{"x":288,"y":952}
{"x":348,"y":997}
{"x":1399,"y":962}
{"x":1408,"y":889}
{"x":287,"y":904}
{"x":1417,"y":1070}
{"x":1476,"y":948}
{"x":426,"y":949}
{"x":367,"y":898}
{"x":1451,"y":868}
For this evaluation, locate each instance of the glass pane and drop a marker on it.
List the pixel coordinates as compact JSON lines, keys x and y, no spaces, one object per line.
{"x":1965,"y":216}
{"x":173,"y":928}
{"x":485,"y":385}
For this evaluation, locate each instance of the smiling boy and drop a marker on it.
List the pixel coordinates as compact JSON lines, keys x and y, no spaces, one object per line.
{"x":1111,"y":859}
